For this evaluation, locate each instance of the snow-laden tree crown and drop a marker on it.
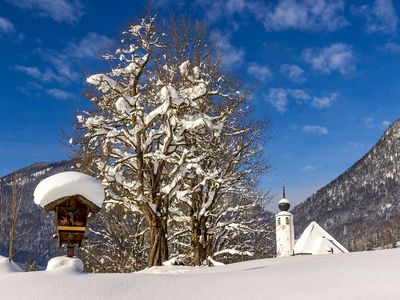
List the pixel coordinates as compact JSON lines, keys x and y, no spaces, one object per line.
{"x":168,"y":137}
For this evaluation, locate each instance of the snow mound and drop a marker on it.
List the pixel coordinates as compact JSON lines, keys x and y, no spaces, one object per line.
{"x":65,"y":264}
{"x":69,"y":184}
{"x":8,"y":267}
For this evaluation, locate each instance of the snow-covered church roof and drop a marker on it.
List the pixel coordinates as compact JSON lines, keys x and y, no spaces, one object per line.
{"x":67,"y":184}
{"x":315,"y":240}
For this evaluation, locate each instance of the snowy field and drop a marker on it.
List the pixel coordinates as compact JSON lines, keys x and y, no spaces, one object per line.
{"x":362,"y":275}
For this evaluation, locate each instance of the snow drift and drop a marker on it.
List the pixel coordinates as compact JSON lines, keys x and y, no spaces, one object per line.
{"x":8,"y":267}
{"x":65,"y":264}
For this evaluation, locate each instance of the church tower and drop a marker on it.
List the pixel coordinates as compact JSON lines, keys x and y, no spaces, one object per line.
{"x":284,"y":228}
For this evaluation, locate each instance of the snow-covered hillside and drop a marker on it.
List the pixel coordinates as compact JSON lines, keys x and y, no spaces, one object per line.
{"x":361,"y":207}
{"x":34,"y":228}
{"x":361,"y":275}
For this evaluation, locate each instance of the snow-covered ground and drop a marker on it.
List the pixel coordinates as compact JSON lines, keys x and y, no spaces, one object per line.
{"x":362,"y":275}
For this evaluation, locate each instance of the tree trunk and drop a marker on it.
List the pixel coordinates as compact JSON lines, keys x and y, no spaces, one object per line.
{"x":11,"y":248}
{"x":158,"y":246}
{"x":15,"y":202}
{"x":199,"y":241}
{"x":197,"y":250}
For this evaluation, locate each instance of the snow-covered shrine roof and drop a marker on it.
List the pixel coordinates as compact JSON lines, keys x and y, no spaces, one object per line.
{"x":315,"y":240}
{"x":67,"y":184}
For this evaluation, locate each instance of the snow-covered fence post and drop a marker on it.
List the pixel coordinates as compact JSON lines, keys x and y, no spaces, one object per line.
{"x":72,"y":196}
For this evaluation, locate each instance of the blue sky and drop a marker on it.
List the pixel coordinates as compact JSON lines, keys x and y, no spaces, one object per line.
{"x":326,"y":73}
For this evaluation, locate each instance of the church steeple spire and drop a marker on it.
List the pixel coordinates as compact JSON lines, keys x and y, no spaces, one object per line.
{"x":284,"y":204}
{"x":283,"y":191}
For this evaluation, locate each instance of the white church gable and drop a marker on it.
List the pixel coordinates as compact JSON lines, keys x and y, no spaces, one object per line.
{"x":315,"y":240}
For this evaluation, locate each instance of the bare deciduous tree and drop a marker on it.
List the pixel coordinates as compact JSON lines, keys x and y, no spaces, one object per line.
{"x":116,"y":242}
{"x":2,"y":206}
{"x":16,"y":196}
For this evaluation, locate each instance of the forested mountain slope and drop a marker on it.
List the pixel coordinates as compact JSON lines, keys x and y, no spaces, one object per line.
{"x":361,"y":207}
{"x":34,"y":228}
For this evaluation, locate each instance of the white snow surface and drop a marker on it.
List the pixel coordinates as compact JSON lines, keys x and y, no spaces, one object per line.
{"x":359,"y":275}
{"x":8,"y":267}
{"x":315,"y":240}
{"x":65,"y":264}
{"x":69,"y":184}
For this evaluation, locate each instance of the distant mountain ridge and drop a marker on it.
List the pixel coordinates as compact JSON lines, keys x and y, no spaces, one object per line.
{"x":361,"y":207}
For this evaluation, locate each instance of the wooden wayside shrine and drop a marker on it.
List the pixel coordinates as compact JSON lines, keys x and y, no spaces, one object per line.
{"x":72,"y":196}
{"x":71,"y":214}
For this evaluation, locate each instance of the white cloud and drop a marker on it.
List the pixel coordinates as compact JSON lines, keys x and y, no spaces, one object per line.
{"x":308,"y":15}
{"x":47,"y":75}
{"x":369,"y":122}
{"x":59,"y":10}
{"x":63,"y":63}
{"x":88,"y":46}
{"x":315,"y":129}
{"x":236,"y":6}
{"x":30,"y":88}
{"x":299,"y":95}
{"x":380,"y":16}
{"x":60,"y":94}
{"x":230,"y":54}
{"x":324,"y":102}
{"x":35,"y":89}
{"x":357,"y":145}
{"x":279,"y":97}
{"x":372,"y":123}
{"x":392,"y":47}
{"x":6,"y":26}
{"x":213,"y":9}
{"x":31,"y":71}
{"x":337,"y":57}
{"x":385,"y":124}
{"x":293,"y":72}
{"x":308,"y":168}
{"x":166,"y":4}
{"x":62,"y":66}
{"x":259,"y":72}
